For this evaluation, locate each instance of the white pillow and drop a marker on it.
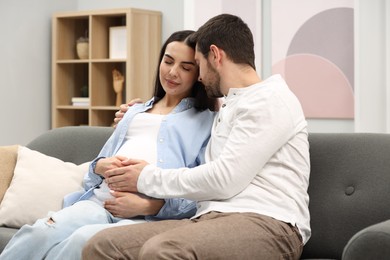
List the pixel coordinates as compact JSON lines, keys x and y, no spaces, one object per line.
{"x":38,"y":186}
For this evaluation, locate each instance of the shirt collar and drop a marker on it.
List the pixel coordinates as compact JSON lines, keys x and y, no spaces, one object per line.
{"x":185,"y":103}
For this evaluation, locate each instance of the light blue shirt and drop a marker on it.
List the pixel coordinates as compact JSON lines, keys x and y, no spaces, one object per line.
{"x":181,"y":142}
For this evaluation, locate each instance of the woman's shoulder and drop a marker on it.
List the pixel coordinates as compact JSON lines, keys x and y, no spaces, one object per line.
{"x":203,"y":117}
{"x":203,"y":112}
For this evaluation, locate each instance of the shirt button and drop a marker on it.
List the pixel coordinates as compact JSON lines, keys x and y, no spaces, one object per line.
{"x":223,"y":105}
{"x":161,"y":140}
{"x":161,"y":160}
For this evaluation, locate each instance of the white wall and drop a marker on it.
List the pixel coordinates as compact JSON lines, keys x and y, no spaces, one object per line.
{"x":25,"y":53}
{"x":372,"y":68}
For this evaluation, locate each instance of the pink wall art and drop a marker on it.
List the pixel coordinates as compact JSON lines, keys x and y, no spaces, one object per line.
{"x":313,"y":49}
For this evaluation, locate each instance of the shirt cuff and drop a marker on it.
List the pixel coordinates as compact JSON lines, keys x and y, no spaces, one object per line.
{"x":93,"y":165}
{"x":143,"y":181}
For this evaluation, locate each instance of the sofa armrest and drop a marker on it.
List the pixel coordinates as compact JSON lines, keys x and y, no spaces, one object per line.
{"x":372,"y":242}
{"x":8,"y":156}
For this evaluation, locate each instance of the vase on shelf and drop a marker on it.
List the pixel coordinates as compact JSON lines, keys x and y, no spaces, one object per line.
{"x":82,"y":48}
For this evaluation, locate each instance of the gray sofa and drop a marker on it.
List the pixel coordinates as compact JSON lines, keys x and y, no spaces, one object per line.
{"x":349,"y":188}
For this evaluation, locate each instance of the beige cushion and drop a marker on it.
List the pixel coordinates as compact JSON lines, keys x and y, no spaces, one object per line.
{"x":38,"y":186}
{"x":8,"y":155}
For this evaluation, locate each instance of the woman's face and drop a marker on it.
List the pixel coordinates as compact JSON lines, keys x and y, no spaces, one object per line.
{"x":178,"y":70}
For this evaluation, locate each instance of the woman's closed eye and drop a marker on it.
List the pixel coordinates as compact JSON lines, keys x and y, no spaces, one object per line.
{"x":187,"y":68}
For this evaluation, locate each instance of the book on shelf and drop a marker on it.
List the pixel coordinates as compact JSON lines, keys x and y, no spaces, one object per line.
{"x":80,"y":101}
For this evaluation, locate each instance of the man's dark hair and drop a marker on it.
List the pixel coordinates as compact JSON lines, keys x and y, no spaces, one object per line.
{"x":231,"y":34}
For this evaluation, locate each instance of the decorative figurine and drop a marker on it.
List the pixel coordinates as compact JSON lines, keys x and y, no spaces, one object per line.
{"x":118,"y":80}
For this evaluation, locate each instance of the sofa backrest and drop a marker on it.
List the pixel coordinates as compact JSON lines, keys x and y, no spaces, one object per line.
{"x":77,"y":144}
{"x":349,"y":188}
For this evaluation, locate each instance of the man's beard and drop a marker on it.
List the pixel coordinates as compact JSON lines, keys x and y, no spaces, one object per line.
{"x":213,"y":86}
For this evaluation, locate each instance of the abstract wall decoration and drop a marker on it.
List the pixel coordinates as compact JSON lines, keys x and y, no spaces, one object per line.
{"x":313,"y":49}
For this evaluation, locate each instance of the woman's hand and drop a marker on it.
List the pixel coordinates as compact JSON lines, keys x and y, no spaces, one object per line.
{"x":123,"y":109}
{"x":129,"y":205}
{"x":105,"y":164}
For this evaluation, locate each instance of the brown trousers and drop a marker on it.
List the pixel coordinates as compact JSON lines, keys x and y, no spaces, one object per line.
{"x":211,"y":236}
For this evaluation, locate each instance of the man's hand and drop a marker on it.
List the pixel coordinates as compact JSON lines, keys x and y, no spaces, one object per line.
{"x":129,"y":205}
{"x":126,"y":177}
{"x":123,"y":109}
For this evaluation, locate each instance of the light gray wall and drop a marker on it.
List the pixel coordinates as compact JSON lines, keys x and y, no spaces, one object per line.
{"x":25,"y":65}
{"x":25,"y":74}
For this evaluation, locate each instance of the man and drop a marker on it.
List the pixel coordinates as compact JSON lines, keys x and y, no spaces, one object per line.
{"x":252,"y":192}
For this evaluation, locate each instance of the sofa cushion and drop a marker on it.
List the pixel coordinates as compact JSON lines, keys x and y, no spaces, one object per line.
{"x":5,"y":236}
{"x":8,"y":156}
{"x":38,"y":186}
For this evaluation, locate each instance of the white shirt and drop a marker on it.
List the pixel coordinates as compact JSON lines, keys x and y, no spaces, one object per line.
{"x":140,"y":143}
{"x":141,"y":138}
{"x":257,"y":159}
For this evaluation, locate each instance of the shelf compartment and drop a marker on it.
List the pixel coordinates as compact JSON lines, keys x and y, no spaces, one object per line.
{"x":100,"y":117}
{"x":69,"y":29}
{"x":103,"y":93}
{"x":100,"y":35}
{"x":70,"y":117}
{"x":70,"y":78}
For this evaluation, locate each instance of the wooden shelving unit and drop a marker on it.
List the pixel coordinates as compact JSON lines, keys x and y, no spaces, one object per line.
{"x":70,"y":73}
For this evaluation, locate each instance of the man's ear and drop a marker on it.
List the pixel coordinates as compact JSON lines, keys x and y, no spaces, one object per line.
{"x":215,"y":54}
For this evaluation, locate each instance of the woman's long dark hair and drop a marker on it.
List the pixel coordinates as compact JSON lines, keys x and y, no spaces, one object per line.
{"x":198,"y":91}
